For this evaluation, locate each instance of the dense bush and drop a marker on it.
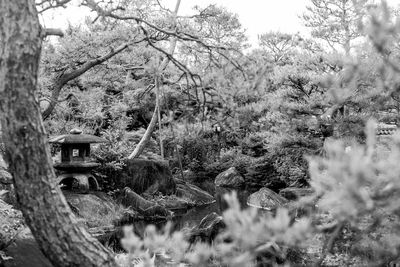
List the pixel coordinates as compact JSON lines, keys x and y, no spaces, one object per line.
{"x":230,"y":158}
{"x":289,"y":157}
{"x":111,"y":156}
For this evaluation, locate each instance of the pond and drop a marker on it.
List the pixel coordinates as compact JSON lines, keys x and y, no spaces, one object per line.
{"x":32,"y":256}
{"x":190,"y":218}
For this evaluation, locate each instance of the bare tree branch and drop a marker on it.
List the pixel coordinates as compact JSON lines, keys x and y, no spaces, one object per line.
{"x":45,"y":5}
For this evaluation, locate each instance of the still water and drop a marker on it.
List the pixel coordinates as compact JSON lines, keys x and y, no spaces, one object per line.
{"x":25,"y":251}
{"x":190,"y":218}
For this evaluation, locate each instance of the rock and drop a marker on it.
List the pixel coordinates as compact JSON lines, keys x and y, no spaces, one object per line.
{"x":266,"y":199}
{"x":149,"y":209}
{"x":209,"y":227}
{"x":94,"y":209}
{"x":2,"y":161}
{"x":5,"y":177}
{"x":7,"y":193}
{"x":44,"y":104}
{"x":145,"y":175}
{"x":12,"y":222}
{"x":294,"y":193}
{"x":172,"y":202}
{"x":229,"y":178}
{"x":193,"y":194}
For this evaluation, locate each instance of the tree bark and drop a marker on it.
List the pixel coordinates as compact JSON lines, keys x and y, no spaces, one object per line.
{"x":45,"y":209}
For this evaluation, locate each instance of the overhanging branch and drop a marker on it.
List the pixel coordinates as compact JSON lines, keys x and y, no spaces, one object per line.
{"x":70,"y":75}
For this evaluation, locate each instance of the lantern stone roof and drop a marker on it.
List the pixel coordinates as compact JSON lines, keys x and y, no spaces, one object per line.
{"x":76,"y":166}
{"x":76,"y":137}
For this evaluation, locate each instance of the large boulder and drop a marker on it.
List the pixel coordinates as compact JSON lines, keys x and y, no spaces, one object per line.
{"x":172,"y":202}
{"x":193,"y":195}
{"x":266,"y":199}
{"x":229,"y":178}
{"x":146,"y":175}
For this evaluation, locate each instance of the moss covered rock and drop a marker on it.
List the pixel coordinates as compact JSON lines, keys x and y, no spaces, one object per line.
{"x":266,"y":199}
{"x":146,"y":175}
{"x":149,"y":209}
{"x":95,"y":210}
{"x":229,"y":178}
{"x":193,"y":195}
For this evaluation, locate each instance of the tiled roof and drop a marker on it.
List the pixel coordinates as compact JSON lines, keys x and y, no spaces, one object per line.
{"x":386,"y":129}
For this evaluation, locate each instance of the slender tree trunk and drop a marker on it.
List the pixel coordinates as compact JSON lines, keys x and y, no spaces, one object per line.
{"x":146,"y":137}
{"x":159,"y":117}
{"x":178,"y":153}
{"x":138,"y":150}
{"x":27,"y":152}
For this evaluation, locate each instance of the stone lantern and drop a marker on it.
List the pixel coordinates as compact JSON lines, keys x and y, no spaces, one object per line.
{"x":75,"y":166}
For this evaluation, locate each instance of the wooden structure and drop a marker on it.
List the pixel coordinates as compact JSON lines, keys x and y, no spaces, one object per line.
{"x":76,"y":165}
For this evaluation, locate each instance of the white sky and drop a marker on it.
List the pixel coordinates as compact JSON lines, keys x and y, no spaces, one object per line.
{"x":257,"y":16}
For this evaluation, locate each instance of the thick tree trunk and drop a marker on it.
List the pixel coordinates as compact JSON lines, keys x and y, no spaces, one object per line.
{"x":27,"y":152}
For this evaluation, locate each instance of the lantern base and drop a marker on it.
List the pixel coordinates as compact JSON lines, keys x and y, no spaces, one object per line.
{"x":78,"y":182}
